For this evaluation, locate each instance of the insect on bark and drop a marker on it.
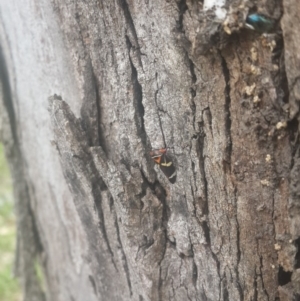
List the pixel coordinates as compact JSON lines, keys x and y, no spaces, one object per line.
{"x":260,"y":23}
{"x":165,"y":163}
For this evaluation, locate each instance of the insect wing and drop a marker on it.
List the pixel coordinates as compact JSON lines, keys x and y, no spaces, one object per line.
{"x":165,"y":163}
{"x":167,"y":167}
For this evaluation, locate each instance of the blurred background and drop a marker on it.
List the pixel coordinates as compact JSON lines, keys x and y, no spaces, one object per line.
{"x":9,"y":287}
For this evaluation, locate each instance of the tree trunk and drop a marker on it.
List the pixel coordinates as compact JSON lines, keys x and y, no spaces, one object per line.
{"x":89,"y":88}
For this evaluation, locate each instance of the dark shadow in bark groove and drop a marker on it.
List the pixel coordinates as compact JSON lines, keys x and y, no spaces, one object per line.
{"x":160,"y":124}
{"x":128,"y":17}
{"x":98,"y":203}
{"x":98,"y":101}
{"x":193,"y":92}
{"x":7,"y":97}
{"x":280,"y":80}
{"x":37,"y":247}
{"x":283,"y":276}
{"x":92,"y":280}
{"x":255,"y":288}
{"x":158,"y":190}
{"x":85,"y":112}
{"x":182,"y":6}
{"x":240,"y":289}
{"x":137,"y":97}
{"x":124,"y":258}
{"x":297,"y":256}
{"x":192,"y":70}
{"x":195,"y":274}
{"x":293,"y":126}
{"x":225,"y":291}
{"x":262,"y":279}
{"x":205,"y":209}
{"x":297,"y":298}
{"x":228,"y":150}
{"x":160,"y":280}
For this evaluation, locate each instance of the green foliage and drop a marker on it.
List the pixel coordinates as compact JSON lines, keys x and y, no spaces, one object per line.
{"x":9,"y":288}
{"x":40,"y":275}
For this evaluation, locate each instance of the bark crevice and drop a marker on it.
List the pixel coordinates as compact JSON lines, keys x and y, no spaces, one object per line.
{"x":124,"y":258}
{"x":7,"y":98}
{"x":158,"y":109}
{"x":98,"y":203}
{"x":238,"y":240}
{"x":205,"y":207}
{"x":193,"y":93}
{"x":262,"y":277}
{"x":297,"y":255}
{"x":129,"y":19}
{"x":182,"y":7}
{"x":228,"y":148}
{"x":137,"y":96}
{"x":98,"y":106}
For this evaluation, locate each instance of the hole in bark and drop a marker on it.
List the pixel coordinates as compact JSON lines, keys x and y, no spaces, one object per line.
{"x":283,"y":276}
{"x":297,"y":256}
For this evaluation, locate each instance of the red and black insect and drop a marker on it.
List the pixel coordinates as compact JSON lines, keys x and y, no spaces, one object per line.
{"x":165,"y":163}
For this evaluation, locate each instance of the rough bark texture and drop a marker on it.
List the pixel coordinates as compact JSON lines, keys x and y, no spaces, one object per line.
{"x":88,"y":88}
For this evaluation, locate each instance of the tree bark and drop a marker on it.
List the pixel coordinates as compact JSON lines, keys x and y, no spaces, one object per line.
{"x":89,"y":88}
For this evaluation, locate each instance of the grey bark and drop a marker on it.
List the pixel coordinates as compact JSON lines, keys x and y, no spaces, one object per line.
{"x":89,"y":88}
